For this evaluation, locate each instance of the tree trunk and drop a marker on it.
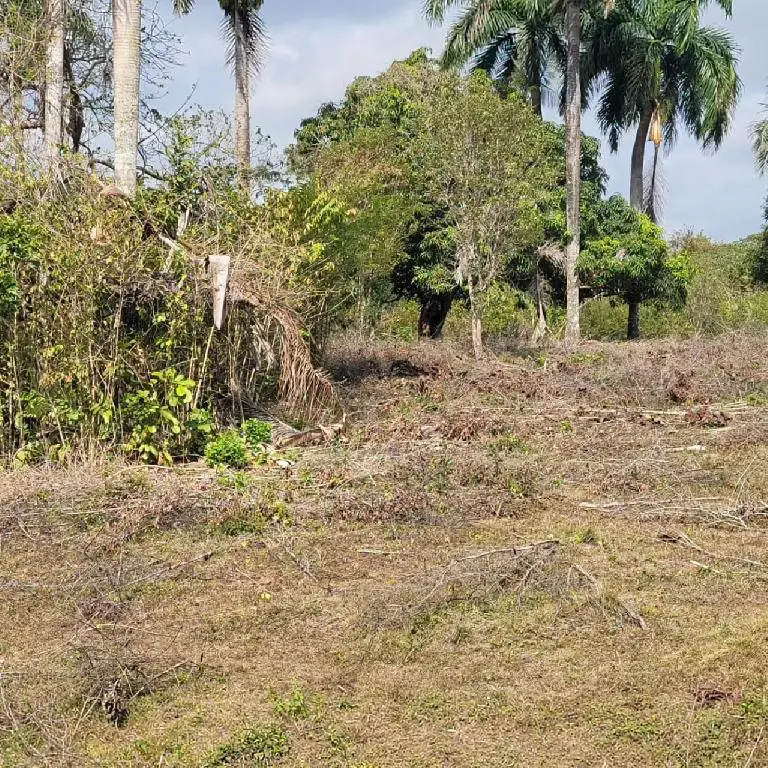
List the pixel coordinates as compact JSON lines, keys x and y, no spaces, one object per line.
{"x":540,"y":331}
{"x":434,"y":311}
{"x":633,"y":320}
{"x":477,"y":323}
{"x":126,"y":32}
{"x":242,"y":106}
{"x":638,"y":161}
{"x":76,"y":122}
{"x":536,"y":101}
{"x":573,"y":167}
{"x":54,"y":82}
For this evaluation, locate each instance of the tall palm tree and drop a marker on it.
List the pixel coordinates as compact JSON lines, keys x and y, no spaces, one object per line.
{"x":244,"y":30}
{"x":126,"y":75}
{"x":657,"y":70}
{"x":54,"y":81}
{"x":126,"y":78}
{"x":517,"y":42}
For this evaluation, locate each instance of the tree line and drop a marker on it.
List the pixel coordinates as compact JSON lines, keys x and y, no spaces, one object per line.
{"x":437,"y":181}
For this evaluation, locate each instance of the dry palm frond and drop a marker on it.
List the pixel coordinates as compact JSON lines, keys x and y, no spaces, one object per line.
{"x":279,"y":336}
{"x":653,"y":204}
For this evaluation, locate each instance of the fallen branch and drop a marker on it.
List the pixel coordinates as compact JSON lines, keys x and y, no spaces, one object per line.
{"x":682,"y":539}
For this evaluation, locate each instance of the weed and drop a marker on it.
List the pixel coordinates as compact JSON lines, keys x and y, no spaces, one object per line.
{"x":227,"y":450}
{"x":294,"y":706}
{"x":253,"y":747}
{"x":256,"y":433}
{"x":587,"y":358}
{"x":510,"y":444}
{"x":238,"y":521}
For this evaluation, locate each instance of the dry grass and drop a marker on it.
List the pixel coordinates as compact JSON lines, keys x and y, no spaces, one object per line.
{"x":550,"y":560}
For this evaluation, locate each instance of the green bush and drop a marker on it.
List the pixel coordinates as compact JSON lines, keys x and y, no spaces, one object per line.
{"x":400,"y":321}
{"x":253,"y":747}
{"x":229,"y":449}
{"x":507,"y":312}
{"x":256,"y":433}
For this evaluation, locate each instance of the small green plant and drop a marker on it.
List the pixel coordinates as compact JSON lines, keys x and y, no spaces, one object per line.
{"x":253,"y":747}
{"x":162,"y":424}
{"x":294,"y":706}
{"x":256,"y":433}
{"x":242,"y":521}
{"x":228,"y":450}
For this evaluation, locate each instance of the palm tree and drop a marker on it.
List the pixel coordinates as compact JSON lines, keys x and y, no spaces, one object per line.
{"x":572,"y":167}
{"x":244,"y":30}
{"x":516,"y":42}
{"x":126,"y":78}
{"x":126,"y":41}
{"x":54,"y":81}
{"x":659,"y":70}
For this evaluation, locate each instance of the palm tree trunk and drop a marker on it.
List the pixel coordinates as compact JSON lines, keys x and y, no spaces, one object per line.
{"x":540,"y":331}
{"x":638,"y":161}
{"x":633,"y":320}
{"x":54,"y":82}
{"x":242,"y":107}
{"x":126,"y":33}
{"x":572,"y":167}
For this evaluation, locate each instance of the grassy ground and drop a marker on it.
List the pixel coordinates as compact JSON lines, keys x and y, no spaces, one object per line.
{"x":555,"y":560}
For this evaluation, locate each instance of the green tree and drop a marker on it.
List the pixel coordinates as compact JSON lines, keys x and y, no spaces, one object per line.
{"x":491,"y":15}
{"x":358,"y":152}
{"x":491,"y":189}
{"x":628,"y":258}
{"x":659,"y":71}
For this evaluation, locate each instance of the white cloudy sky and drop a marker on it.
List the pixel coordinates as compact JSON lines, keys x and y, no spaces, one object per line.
{"x":318,"y":46}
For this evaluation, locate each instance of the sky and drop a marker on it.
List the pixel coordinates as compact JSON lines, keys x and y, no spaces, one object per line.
{"x":317,"y":47}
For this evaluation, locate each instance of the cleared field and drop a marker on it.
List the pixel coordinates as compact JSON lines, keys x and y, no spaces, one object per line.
{"x":554,"y":560}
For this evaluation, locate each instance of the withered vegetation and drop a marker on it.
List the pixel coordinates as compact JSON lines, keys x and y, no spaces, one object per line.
{"x":547,"y":560}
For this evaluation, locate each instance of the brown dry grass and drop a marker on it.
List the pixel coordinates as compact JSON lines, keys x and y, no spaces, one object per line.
{"x":542,"y":561}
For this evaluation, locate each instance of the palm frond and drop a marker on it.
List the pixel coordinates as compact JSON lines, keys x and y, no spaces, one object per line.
{"x":482,"y":23}
{"x":182,"y":7}
{"x":243,"y":23}
{"x":760,"y":144}
{"x":435,"y":10}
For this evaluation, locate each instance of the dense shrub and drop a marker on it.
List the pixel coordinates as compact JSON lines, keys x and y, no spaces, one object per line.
{"x":106,"y":330}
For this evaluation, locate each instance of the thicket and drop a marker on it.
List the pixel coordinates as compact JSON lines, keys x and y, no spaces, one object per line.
{"x":106,"y":310}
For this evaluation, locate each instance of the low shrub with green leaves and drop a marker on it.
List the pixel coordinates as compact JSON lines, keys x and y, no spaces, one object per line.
{"x":229,"y":449}
{"x":253,"y":747}
{"x":256,"y":433}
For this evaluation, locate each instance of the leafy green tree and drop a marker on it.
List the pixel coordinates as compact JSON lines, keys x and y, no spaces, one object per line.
{"x":490,"y":189}
{"x":659,"y":70}
{"x":358,"y":152}
{"x":483,"y":26}
{"x":628,"y":258}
